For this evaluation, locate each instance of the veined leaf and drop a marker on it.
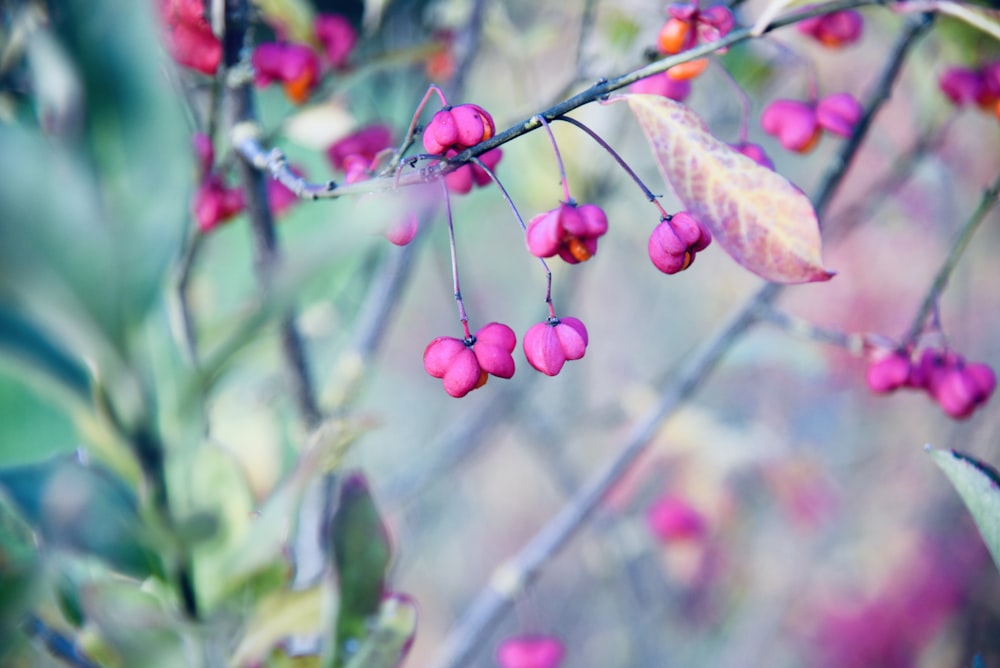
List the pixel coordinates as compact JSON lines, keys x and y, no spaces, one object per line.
{"x":764,"y":222}
{"x":979,"y":486}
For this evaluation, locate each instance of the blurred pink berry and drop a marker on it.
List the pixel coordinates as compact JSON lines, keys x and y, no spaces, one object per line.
{"x":793,"y":123}
{"x":889,"y":372}
{"x":280,"y":197}
{"x":457,"y":128}
{"x":214,"y":203}
{"x":548,"y":345}
{"x":530,"y":652}
{"x":337,"y":36}
{"x":671,"y":518}
{"x":403,"y":232}
{"x":295,"y":66}
{"x":465,"y":177}
{"x":962,"y":85}
{"x":663,"y":85}
{"x":464,"y":366}
{"x":569,"y":231}
{"x":755,"y":152}
{"x":367,"y":142}
{"x":839,"y":113}
{"x":834,"y":30}
{"x":189,"y":37}
{"x":674,"y":243}
{"x":961,"y":389}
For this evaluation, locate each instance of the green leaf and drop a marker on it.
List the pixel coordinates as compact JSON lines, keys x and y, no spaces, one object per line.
{"x":389,"y":641}
{"x":978,"y":484}
{"x":764,"y":222}
{"x":362,"y":552}
{"x":136,"y":625}
{"x":281,"y":615}
{"x":82,"y":509}
{"x":19,"y":570}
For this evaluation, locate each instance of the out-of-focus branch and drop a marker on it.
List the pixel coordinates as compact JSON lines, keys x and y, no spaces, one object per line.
{"x":517,"y":573}
{"x":266,"y":253}
{"x":961,"y":242}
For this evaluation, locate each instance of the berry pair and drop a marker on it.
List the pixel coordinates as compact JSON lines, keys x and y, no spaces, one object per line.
{"x":979,"y":86}
{"x":834,"y":30}
{"x":675,"y":242}
{"x":958,"y":386}
{"x":464,"y":365}
{"x":798,"y":125}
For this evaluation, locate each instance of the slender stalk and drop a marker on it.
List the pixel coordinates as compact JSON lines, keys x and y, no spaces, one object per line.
{"x":456,"y":287}
{"x":621,"y":162}
{"x":962,"y":239}
{"x":512,"y":577}
{"x":559,"y":161}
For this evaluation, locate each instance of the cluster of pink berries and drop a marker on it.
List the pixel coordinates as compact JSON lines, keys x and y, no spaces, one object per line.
{"x":834,"y":30}
{"x":464,"y":365}
{"x":958,"y":386}
{"x":798,"y":125}
{"x":978,"y":86}
{"x":675,"y":242}
{"x":687,"y":26}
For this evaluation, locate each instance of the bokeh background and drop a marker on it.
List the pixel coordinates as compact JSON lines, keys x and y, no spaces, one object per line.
{"x":830,"y":538}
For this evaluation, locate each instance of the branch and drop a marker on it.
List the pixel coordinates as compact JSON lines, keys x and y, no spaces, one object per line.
{"x":267,"y":256}
{"x":951,"y":261}
{"x":247,"y":139}
{"x":513,"y":576}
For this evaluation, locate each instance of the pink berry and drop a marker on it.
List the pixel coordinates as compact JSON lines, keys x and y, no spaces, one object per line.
{"x":494,"y":344}
{"x":889,"y":372}
{"x":189,"y":36}
{"x":839,"y":113}
{"x":793,"y":123}
{"x":962,"y":85}
{"x":403,"y":232}
{"x":549,"y":345}
{"x":464,"y":366}
{"x":834,"y":30}
{"x":663,"y":85}
{"x":441,"y":133}
{"x":569,"y":231}
{"x":470,"y":125}
{"x":337,"y":36}
{"x":671,"y":518}
{"x":755,"y":153}
{"x":214,"y":203}
{"x":673,"y":243}
{"x":530,"y":652}
{"x":366,"y":143}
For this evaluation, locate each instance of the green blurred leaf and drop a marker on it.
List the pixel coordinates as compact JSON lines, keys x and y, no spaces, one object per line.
{"x":285,"y":614}
{"x":82,"y":509}
{"x":296,"y":16}
{"x":978,"y":484}
{"x":92,"y":218}
{"x":28,"y":344}
{"x":389,"y":641}
{"x":362,"y":552}
{"x":135,"y":625}
{"x":19,"y":570}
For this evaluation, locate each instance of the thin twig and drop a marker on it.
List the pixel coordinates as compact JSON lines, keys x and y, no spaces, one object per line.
{"x":512,"y":577}
{"x":962,"y":240}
